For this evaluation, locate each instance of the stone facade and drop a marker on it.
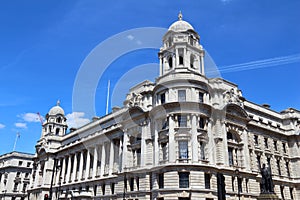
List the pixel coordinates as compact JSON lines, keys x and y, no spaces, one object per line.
{"x":15,"y":172}
{"x":171,"y":139}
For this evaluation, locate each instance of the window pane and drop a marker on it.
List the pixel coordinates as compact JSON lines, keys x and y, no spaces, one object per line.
{"x":181,"y":95}
{"x":162,"y":98}
{"x":184,"y":179}
{"x":183,"y":149}
{"x":200,"y":97}
{"x":182,"y":121}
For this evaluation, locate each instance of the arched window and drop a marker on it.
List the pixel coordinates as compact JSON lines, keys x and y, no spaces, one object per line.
{"x":58,"y":120}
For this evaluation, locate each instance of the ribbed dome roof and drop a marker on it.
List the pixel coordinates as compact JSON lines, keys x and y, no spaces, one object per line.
{"x":180,"y":25}
{"x":56,"y":110}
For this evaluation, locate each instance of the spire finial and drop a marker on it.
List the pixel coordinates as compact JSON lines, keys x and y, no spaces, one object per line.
{"x":180,"y":16}
{"x":58,"y":102}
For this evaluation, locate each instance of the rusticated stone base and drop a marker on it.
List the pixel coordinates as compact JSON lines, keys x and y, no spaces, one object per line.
{"x":265,"y":196}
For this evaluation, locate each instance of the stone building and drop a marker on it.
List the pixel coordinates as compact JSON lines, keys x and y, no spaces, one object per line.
{"x":171,"y":139}
{"x":15,"y":172}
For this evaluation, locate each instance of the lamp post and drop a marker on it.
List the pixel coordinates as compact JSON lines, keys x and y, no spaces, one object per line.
{"x":237,"y":173}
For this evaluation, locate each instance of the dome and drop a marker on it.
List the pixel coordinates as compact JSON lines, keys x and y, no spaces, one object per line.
{"x":56,"y":110}
{"x":180,"y":25}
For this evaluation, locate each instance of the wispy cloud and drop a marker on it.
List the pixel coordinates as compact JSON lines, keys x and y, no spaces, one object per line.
{"x":271,"y":62}
{"x":76,"y":119}
{"x":21,"y":125}
{"x":2,"y":126}
{"x":30,"y":117}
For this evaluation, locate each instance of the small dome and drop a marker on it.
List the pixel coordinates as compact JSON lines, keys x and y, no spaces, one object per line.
{"x":56,"y":110}
{"x":180,"y":25}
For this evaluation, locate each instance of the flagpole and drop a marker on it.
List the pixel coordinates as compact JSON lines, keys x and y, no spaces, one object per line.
{"x":17,"y":136}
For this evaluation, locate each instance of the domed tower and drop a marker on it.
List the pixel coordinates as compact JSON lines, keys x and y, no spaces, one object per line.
{"x":181,"y":50}
{"x":55,"y":123}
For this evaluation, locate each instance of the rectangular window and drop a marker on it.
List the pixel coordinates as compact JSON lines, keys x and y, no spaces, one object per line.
{"x":201,"y":123}
{"x":137,"y":181}
{"x":278,"y":167}
{"x":266,"y":143}
{"x":162,"y":98}
{"x":284,"y":147}
{"x":182,"y":120}
{"x":202,"y":150}
{"x":275,"y":145}
{"x":28,"y":164}
{"x":131,"y":184}
{"x":103,"y":189}
{"x":184,"y":179}
{"x":230,"y":156}
{"x":138,"y":157}
{"x":291,"y":193}
{"x":16,"y":187}
{"x":201,"y":97}
{"x":287,"y":169}
{"x":256,"y":140}
{"x":183,"y":149}
{"x":258,"y":161}
{"x":112,"y":188}
{"x":164,"y":149}
{"x":240,"y":185}
{"x":232,"y":183}
{"x":20,"y":163}
{"x":207,"y":180}
{"x":282,"y":192}
{"x":161,"y":180}
{"x":181,"y":95}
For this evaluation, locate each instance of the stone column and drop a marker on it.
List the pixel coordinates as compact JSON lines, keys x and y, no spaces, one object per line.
{"x":74,"y":168}
{"x":58,"y":171}
{"x":111,"y":157}
{"x":64,"y":168}
{"x":176,"y":64}
{"x":80,"y":165}
{"x":102,"y":160}
{"x":88,"y":162}
{"x":68,"y":176}
{"x":95,"y":161}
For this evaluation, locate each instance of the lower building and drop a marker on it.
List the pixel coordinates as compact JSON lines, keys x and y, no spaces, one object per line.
{"x":15,"y":173}
{"x":185,"y":136}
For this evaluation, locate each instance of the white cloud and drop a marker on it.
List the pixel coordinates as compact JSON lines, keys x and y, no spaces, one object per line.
{"x":76,"y":119}
{"x":30,"y":117}
{"x":21,"y":125}
{"x":2,"y":126}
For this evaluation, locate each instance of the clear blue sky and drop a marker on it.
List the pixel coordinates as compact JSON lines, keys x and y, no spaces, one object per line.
{"x":43,"y":43}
